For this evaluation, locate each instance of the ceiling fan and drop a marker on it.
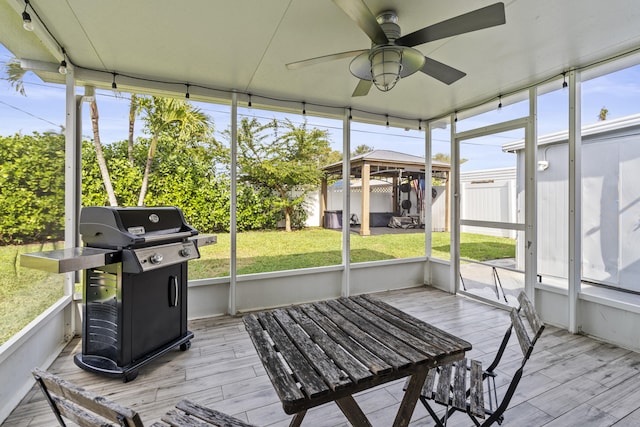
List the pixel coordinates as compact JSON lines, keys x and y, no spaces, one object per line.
{"x":392,"y":56}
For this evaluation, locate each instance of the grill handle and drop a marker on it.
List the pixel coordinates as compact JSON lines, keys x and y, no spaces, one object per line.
{"x":154,"y":238}
{"x":173,"y":291}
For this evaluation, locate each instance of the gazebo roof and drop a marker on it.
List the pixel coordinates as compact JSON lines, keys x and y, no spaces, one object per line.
{"x":388,"y":163}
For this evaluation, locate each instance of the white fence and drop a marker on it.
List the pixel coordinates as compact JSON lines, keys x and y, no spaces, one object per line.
{"x":489,"y":195}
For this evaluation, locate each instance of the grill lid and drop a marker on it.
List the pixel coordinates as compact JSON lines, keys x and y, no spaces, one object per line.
{"x":130,"y":227}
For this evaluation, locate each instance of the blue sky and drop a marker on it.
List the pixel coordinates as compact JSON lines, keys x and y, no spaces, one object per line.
{"x":43,"y":110}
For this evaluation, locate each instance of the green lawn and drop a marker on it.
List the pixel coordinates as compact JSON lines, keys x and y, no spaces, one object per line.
{"x":262,"y":251}
{"x":25,"y":293}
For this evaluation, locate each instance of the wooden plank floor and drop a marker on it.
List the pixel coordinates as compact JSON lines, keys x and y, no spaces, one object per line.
{"x":571,"y":380}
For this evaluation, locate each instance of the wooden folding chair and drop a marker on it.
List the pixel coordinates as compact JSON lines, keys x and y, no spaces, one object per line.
{"x":459,"y":386}
{"x":87,"y":409}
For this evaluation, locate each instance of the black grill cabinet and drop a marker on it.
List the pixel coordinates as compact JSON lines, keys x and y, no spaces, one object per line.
{"x":135,"y":310}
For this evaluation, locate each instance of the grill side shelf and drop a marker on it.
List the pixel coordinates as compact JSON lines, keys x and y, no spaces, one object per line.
{"x":204,"y":239}
{"x":70,"y":259}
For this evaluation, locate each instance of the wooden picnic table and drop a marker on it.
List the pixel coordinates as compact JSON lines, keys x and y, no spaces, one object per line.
{"x":327,"y":351}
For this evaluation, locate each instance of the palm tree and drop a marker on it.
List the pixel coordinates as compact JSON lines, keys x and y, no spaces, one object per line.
{"x":134,"y":109}
{"x":164,"y":115}
{"x":602,"y":115}
{"x":102,"y":163}
{"x":15,"y":75}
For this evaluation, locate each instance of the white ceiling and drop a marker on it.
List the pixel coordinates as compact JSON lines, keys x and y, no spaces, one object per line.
{"x":243,"y":46}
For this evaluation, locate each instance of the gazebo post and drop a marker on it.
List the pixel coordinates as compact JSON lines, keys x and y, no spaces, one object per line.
{"x":364,"y":222}
{"x":323,"y":200}
{"x":394,"y":194}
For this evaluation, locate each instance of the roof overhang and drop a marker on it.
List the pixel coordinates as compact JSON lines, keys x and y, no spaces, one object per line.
{"x":241,"y":47}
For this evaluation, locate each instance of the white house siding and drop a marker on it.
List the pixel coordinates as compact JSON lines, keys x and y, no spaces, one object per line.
{"x":610,"y":203}
{"x":611,"y":211}
{"x":629,"y":212}
{"x":553,"y":213}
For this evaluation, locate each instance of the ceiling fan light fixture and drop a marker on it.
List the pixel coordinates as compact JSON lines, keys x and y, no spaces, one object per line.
{"x":386,"y":65}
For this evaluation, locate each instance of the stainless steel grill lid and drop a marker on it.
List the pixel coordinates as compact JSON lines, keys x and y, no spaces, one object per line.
{"x":129,"y":227}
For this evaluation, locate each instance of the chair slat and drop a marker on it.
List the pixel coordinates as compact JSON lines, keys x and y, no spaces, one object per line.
{"x":476,"y":390}
{"x":521,"y":332}
{"x":78,"y":415}
{"x":209,"y":415}
{"x":444,"y":385}
{"x":460,"y":385}
{"x":180,"y":419}
{"x":530,"y":312}
{"x":427,"y":389}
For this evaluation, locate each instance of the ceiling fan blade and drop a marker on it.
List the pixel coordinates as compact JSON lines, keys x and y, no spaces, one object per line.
{"x":442,"y":72}
{"x":362,"y":89}
{"x":479,"y":19}
{"x":320,"y":59}
{"x":361,"y":15}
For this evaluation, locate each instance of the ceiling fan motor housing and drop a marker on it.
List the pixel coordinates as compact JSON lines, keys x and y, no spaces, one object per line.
{"x":389,"y":22}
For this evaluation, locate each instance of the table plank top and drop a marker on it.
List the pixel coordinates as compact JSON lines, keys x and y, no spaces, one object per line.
{"x":323,"y":351}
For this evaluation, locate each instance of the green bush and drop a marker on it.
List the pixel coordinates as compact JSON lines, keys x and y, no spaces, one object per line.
{"x":186,"y":176}
{"x":183,"y":176}
{"x":31,"y":188}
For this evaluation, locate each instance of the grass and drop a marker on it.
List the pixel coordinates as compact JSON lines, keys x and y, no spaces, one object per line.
{"x":263,"y":251}
{"x":25,"y":293}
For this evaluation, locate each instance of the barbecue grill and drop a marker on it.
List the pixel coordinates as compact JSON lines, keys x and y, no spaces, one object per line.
{"x":135,"y":285}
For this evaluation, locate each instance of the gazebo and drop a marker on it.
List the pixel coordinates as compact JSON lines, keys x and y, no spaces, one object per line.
{"x":401,"y":168}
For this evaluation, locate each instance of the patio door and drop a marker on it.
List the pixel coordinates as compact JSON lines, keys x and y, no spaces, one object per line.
{"x":493,"y":210}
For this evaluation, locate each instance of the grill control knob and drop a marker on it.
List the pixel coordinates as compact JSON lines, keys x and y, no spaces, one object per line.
{"x":185,"y":252}
{"x":156,"y":258}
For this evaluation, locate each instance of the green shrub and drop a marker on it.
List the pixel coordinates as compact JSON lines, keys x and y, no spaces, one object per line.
{"x":186,"y":176}
{"x":31,"y":188}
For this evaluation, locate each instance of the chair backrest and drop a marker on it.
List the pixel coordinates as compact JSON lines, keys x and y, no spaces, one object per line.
{"x":533,"y":320}
{"x":527,"y":337}
{"x":83,"y":407}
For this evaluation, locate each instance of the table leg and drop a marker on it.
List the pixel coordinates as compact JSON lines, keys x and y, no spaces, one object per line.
{"x":410,"y":398}
{"x":297,"y":419}
{"x":352,"y":411}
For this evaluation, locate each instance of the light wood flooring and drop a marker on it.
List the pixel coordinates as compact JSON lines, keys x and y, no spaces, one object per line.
{"x":571,"y":380}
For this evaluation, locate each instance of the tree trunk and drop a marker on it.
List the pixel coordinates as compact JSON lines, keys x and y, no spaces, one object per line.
{"x":287,"y":210}
{"x":132,"y":120}
{"x":287,"y":219}
{"x":147,"y":170}
{"x":102,"y":164}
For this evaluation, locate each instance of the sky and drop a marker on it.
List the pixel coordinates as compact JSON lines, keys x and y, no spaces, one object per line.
{"x":43,"y":109}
